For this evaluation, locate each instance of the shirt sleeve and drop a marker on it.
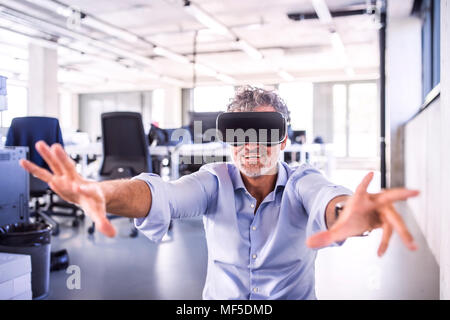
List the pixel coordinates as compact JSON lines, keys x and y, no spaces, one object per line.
{"x":315,"y":192}
{"x":186,"y":197}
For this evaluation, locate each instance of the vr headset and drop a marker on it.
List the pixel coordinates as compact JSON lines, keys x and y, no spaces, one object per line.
{"x":238,"y":128}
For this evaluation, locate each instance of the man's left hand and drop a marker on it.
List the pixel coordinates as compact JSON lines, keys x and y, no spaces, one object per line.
{"x":364,"y":212}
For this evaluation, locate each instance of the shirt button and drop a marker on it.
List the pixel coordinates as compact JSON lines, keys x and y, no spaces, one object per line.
{"x":254,"y":256}
{"x":255,"y":289}
{"x":252,"y":205}
{"x":253,"y":228}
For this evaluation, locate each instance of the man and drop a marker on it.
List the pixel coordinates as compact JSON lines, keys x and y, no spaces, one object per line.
{"x":261,"y":217}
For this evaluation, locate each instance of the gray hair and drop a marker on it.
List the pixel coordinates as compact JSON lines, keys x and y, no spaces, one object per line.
{"x":248,"y":98}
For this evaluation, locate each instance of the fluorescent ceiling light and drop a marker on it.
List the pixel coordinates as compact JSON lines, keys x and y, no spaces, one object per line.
{"x":173,"y":81}
{"x":111,"y":30}
{"x":322,"y":11}
{"x":206,"y":19}
{"x":66,"y":11}
{"x":338,"y":46}
{"x":286,"y":76}
{"x":206,"y":70}
{"x":248,"y":49}
{"x":170,"y":55}
{"x":225,"y":78}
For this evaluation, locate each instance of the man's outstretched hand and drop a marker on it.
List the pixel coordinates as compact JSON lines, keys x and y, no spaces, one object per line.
{"x":69,"y":185}
{"x":365,"y":212}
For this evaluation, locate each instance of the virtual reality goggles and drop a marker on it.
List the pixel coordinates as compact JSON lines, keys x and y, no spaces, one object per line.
{"x":238,"y":128}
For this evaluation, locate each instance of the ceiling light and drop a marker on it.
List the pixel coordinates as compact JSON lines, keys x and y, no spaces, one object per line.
{"x":286,"y":76}
{"x":111,"y":30}
{"x":225,"y":78}
{"x":322,"y":11}
{"x":338,"y":45}
{"x":170,"y":55}
{"x":204,"y":69}
{"x":248,"y":49}
{"x":66,"y":11}
{"x":172,"y":81}
{"x":206,"y":19}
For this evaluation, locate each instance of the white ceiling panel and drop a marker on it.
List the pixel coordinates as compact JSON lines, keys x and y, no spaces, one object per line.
{"x":302,"y":48}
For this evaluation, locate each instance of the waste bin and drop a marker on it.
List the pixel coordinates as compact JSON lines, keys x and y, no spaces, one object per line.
{"x":32,"y":239}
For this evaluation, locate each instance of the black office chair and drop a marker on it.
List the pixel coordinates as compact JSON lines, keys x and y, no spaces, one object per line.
{"x":125,"y":150}
{"x":26,"y":131}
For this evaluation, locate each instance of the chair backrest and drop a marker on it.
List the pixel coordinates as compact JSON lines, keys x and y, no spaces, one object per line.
{"x":157,"y":134}
{"x":26,"y":131}
{"x":166,"y":137}
{"x":125,"y":147}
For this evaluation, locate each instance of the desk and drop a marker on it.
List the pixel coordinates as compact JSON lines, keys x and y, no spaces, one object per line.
{"x":206,"y":152}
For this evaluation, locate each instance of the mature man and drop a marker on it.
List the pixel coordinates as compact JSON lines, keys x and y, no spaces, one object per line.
{"x":262,"y":218}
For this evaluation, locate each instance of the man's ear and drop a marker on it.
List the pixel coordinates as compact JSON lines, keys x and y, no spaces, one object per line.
{"x":284,"y":142}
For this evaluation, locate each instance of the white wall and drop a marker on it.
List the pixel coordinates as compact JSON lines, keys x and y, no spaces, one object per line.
{"x":427,"y":155}
{"x":403,"y":87}
{"x":423,"y":143}
{"x":93,"y":105}
{"x":444,"y":151}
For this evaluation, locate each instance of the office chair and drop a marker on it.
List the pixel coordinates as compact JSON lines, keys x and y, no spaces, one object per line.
{"x":125,"y":150}
{"x":26,"y":131}
{"x":163,"y":137}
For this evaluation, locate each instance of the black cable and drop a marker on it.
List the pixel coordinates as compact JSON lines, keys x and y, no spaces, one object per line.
{"x":194,"y":60}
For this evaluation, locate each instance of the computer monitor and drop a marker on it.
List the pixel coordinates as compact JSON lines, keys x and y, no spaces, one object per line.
{"x":208,"y":121}
{"x":14,"y":186}
{"x":298,"y":137}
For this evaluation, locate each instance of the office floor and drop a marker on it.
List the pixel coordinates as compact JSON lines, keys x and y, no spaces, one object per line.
{"x":127,"y":268}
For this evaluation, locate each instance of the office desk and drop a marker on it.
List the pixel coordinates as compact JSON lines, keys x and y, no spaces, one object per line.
{"x":209,"y":152}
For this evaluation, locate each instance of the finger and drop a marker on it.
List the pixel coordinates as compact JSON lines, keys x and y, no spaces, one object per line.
{"x":67,"y":164}
{"x":362,"y":187}
{"x":320,"y":240}
{"x":397,"y":194}
{"x":96,"y":211}
{"x":36,"y":171}
{"x":105,"y":227}
{"x":47,"y":154}
{"x":394,"y":218}
{"x":387,"y":233}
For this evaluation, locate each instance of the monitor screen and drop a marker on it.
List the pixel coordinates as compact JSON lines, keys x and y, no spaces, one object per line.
{"x":208,"y":121}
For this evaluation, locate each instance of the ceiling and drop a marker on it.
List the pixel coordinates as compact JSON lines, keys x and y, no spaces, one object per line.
{"x":98,"y":59}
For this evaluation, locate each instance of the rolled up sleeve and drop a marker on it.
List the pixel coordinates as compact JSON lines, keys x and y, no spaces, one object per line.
{"x":186,"y":197}
{"x":315,"y":192}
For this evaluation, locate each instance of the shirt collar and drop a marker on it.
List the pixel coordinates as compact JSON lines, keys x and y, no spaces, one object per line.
{"x":238,"y":183}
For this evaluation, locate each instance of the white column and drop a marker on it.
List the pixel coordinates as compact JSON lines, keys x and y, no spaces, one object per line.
{"x":42,"y":81}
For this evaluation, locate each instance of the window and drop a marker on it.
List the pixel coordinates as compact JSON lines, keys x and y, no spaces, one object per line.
{"x":298,"y":97}
{"x":212,"y":99}
{"x":17,"y":104}
{"x":429,"y":12}
{"x":340,"y":120}
{"x":356,"y":120}
{"x":363,"y":120}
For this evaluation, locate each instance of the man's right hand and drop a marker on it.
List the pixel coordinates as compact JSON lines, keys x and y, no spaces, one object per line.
{"x":70,"y":186}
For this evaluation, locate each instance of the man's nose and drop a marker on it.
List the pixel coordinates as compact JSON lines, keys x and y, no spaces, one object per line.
{"x":251,"y":146}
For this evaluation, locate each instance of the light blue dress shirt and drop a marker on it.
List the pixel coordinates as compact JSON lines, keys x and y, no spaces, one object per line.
{"x":251,"y":255}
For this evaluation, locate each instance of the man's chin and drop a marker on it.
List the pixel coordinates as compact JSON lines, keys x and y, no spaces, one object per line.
{"x":254,"y":171}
